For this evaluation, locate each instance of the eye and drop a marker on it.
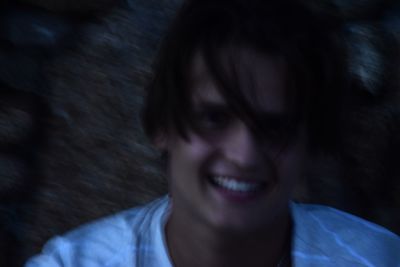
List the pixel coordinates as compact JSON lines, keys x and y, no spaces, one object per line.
{"x":277,"y":132}
{"x":212,"y":119}
{"x":273,"y":134}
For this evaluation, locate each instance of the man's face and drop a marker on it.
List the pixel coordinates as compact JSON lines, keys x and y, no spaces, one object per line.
{"x":223,"y":176}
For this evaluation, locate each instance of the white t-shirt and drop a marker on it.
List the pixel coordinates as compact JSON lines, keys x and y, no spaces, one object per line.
{"x":323,"y":236}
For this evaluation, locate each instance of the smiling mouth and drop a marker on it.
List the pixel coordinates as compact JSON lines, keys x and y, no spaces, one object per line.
{"x":233,"y":185}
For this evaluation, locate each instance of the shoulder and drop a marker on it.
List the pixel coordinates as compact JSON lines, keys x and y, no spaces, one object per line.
{"x":338,"y":235}
{"x":105,"y":242}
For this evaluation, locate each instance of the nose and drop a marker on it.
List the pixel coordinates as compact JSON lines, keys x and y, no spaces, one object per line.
{"x":241,"y":147}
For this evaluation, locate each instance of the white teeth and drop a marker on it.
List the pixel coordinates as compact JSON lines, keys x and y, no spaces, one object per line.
{"x":234,"y":185}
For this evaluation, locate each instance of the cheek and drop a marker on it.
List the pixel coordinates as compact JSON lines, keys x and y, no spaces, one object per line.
{"x":187,"y":157}
{"x":292,"y":163}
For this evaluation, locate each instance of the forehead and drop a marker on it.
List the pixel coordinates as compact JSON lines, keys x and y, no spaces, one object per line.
{"x":256,"y":79}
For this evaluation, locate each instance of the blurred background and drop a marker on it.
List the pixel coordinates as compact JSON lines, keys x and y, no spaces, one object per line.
{"x":72,"y":77}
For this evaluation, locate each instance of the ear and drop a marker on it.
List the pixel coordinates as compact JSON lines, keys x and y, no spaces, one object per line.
{"x":160,"y":141}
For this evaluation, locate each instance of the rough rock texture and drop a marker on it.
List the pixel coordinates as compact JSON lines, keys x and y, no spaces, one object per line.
{"x":361,"y":178}
{"x":71,"y":146}
{"x":96,"y":156}
{"x":85,"y":7}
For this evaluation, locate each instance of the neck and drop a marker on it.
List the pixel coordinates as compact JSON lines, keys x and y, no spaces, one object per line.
{"x":192,"y":243}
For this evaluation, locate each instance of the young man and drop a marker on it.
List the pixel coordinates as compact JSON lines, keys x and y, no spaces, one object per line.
{"x":243,"y":92}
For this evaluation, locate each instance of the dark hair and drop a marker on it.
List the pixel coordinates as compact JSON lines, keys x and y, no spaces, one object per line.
{"x":285,"y":29}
